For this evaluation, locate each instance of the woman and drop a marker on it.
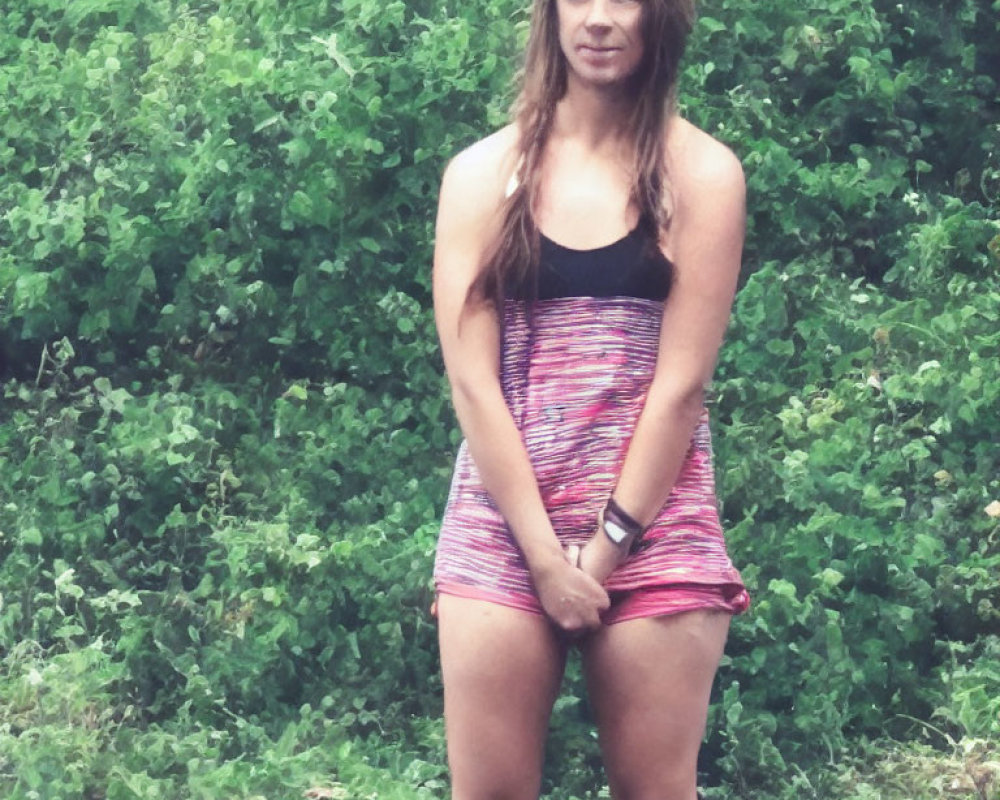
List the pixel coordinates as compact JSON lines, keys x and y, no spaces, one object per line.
{"x":584,"y":269}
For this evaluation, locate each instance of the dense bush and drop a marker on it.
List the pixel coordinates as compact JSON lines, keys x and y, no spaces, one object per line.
{"x":225,"y":436}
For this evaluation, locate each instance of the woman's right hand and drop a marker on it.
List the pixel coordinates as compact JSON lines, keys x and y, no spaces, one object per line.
{"x":571,"y":598}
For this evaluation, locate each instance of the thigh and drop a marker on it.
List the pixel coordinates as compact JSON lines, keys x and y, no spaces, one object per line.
{"x":649,"y":682}
{"x":501,"y":668}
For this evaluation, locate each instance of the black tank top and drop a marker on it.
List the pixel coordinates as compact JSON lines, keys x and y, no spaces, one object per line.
{"x":630,"y":267}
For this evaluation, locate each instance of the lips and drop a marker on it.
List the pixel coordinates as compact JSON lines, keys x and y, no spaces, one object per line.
{"x":596,"y":53}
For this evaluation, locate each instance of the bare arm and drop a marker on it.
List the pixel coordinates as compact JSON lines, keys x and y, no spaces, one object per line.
{"x":707,"y":244}
{"x":468,"y":215}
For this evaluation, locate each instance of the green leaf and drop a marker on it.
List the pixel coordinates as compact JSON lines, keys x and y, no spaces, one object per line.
{"x":31,"y":536}
{"x":711,"y":24}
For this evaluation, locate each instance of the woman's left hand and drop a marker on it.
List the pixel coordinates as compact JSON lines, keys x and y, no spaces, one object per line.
{"x":600,"y":556}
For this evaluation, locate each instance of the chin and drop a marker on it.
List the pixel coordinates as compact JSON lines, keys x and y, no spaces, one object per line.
{"x":604,"y":77}
{"x":604,"y":80}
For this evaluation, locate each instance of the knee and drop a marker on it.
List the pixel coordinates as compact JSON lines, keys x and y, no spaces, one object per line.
{"x":494,"y":774}
{"x":483,"y":787}
{"x":656,"y":785}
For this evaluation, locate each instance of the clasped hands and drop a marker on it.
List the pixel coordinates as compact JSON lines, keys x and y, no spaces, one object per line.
{"x":570,"y":589}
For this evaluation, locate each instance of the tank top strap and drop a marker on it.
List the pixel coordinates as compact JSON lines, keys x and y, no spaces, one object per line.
{"x":515,"y":178}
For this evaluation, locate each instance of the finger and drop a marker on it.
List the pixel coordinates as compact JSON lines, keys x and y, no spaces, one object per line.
{"x":582,"y":626}
{"x":573,"y":554}
{"x":598,"y":593}
{"x":581,"y":620}
{"x":587,"y":626}
{"x":566,"y":624}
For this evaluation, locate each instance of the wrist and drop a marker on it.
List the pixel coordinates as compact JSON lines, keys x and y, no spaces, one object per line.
{"x":620,"y":528}
{"x":601,"y":557}
{"x":606,"y":549}
{"x":544,"y":559}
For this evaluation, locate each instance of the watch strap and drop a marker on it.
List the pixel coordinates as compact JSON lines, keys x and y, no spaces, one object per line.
{"x":619,"y":518}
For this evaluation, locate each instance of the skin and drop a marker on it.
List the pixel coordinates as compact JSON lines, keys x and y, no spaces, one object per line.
{"x":648,"y":679}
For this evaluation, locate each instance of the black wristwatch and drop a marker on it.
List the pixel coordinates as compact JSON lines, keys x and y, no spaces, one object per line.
{"x":618,"y":526}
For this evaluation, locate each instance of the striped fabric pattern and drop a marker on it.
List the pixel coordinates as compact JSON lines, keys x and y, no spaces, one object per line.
{"x":575,"y":377}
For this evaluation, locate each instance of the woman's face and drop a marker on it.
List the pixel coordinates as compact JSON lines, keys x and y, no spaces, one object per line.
{"x":601,"y":39}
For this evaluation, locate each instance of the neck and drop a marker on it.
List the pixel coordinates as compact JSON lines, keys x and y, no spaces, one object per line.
{"x":595,"y":116}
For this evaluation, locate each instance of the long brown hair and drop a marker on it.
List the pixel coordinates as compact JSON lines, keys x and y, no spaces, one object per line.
{"x":511,"y":263}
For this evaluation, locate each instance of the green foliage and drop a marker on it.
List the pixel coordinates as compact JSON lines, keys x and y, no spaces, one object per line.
{"x":225,"y":436}
{"x":66,"y":735}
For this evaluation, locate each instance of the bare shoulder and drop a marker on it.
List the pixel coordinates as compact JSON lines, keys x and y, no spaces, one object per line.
{"x":475,"y":181}
{"x":701,"y":167}
{"x":473,"y":190}
{"x":708,"y":193}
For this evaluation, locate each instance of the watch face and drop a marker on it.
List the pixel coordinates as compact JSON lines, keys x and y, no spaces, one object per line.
{"x":616,"y":533}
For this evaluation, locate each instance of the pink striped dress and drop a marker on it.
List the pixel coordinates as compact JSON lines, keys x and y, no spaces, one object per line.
{"x":575,"y":379}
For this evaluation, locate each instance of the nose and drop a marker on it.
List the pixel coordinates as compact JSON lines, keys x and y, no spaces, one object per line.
{"x":598,"y":14}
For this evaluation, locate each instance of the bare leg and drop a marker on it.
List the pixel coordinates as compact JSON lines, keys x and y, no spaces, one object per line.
{"x":502,"y":668}
{"x":649,"y":682}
